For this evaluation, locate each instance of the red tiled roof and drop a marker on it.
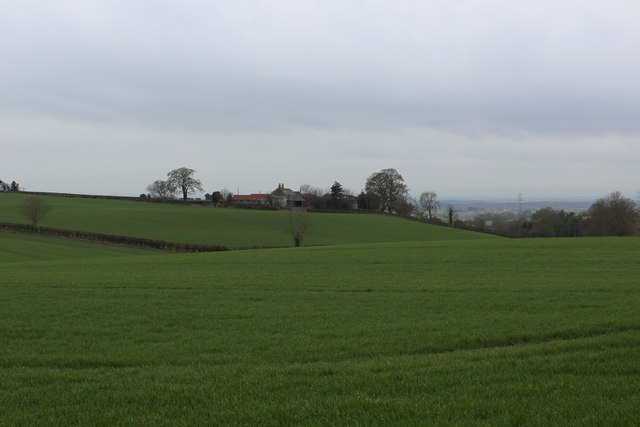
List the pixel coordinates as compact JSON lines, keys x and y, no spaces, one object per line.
{"x":250,"y":197}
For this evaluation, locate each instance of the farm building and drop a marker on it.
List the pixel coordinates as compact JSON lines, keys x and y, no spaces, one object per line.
{"x":281,"y":197}
{"x":287,"y":198}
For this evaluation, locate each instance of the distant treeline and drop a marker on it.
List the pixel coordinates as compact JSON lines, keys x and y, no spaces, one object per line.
{"x":544,"y":222}
{"x":114,"y":239}
{"x":612,"y":215}
{"x":6,"y":187}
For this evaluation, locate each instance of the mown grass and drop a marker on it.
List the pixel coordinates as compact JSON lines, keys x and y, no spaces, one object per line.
{"x":226,"y":227}
{"x":450,"y":332}
{"x":17,"y":247}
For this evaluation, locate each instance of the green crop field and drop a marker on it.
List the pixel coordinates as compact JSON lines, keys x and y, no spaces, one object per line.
{"x":445,"y":332}
{"x":217,"y":226}
{"x":16,"y":247}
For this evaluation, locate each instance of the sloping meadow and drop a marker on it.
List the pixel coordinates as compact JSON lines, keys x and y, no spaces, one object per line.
{"x":220,"y":226}
{"x":449,"y":332}
{"x":21,"y":247}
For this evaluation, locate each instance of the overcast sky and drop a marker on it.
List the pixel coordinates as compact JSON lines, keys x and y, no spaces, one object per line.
{"x":472,"y":99}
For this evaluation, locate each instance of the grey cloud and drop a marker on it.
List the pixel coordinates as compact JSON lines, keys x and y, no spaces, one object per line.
{"x":489,"y":64}
{"x":338,"y":88}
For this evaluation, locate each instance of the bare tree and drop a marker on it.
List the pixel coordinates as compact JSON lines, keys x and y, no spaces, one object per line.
{"x":613,"y":215}
{"x":162,"y":189}
{"x":35,"y":209}
{"x":429,"y":204}
{"x":309,"y":189}
{"x":297,"y":225}
{"x":183,"y":179}
{"x":313,"y":196}
{"x":388,"y":185}
{"x":227,"y":196}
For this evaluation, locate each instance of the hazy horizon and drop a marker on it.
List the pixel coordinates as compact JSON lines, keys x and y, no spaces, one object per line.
{"x":473,"y":100}
{"x":442,"y":200}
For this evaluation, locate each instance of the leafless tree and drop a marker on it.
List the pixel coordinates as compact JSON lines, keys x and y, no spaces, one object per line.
{"x":314,"y":196}
{"x":183,"y":179}
{"x":429,"y":203}
{"x":297,"y":225}
{"x":227,"y":196}
{"x":35,"y":209}
{"x":613,"y":215}
{"x":162,"y":189}
{"x":311,"y":190}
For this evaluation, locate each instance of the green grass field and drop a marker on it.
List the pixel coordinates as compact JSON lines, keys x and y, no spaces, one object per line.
{"x":15,"y":247}
{"x":457,"y":332}
{"x":226,"y":227}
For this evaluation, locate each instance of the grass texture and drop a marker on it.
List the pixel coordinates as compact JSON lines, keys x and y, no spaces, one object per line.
{"x":17,"y":247}
{"x":226,"y":227}
{"x":469,"y":332}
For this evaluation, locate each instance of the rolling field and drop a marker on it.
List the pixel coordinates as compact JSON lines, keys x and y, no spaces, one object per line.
{"x":15,"y":247}
{"x":465,"y":332}
{"x":227,"y":227}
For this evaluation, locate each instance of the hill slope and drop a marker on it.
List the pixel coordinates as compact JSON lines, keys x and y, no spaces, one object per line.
{"x":228,"y":227}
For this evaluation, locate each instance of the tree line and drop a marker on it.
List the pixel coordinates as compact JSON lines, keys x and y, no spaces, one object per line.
{"x":612,"y":215}
{"x":385,"y":191}
{"x":6,"y":187}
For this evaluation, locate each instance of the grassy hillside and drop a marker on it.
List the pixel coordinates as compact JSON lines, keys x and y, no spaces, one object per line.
{"x":29,"y":247}
{"x":491,"y":331}
{"x":228,"y":227}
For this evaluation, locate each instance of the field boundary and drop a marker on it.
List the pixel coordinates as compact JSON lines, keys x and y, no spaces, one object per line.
{"x":129,"y":241}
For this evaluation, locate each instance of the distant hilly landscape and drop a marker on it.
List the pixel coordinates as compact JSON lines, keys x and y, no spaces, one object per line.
{"x":467,"y":209}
